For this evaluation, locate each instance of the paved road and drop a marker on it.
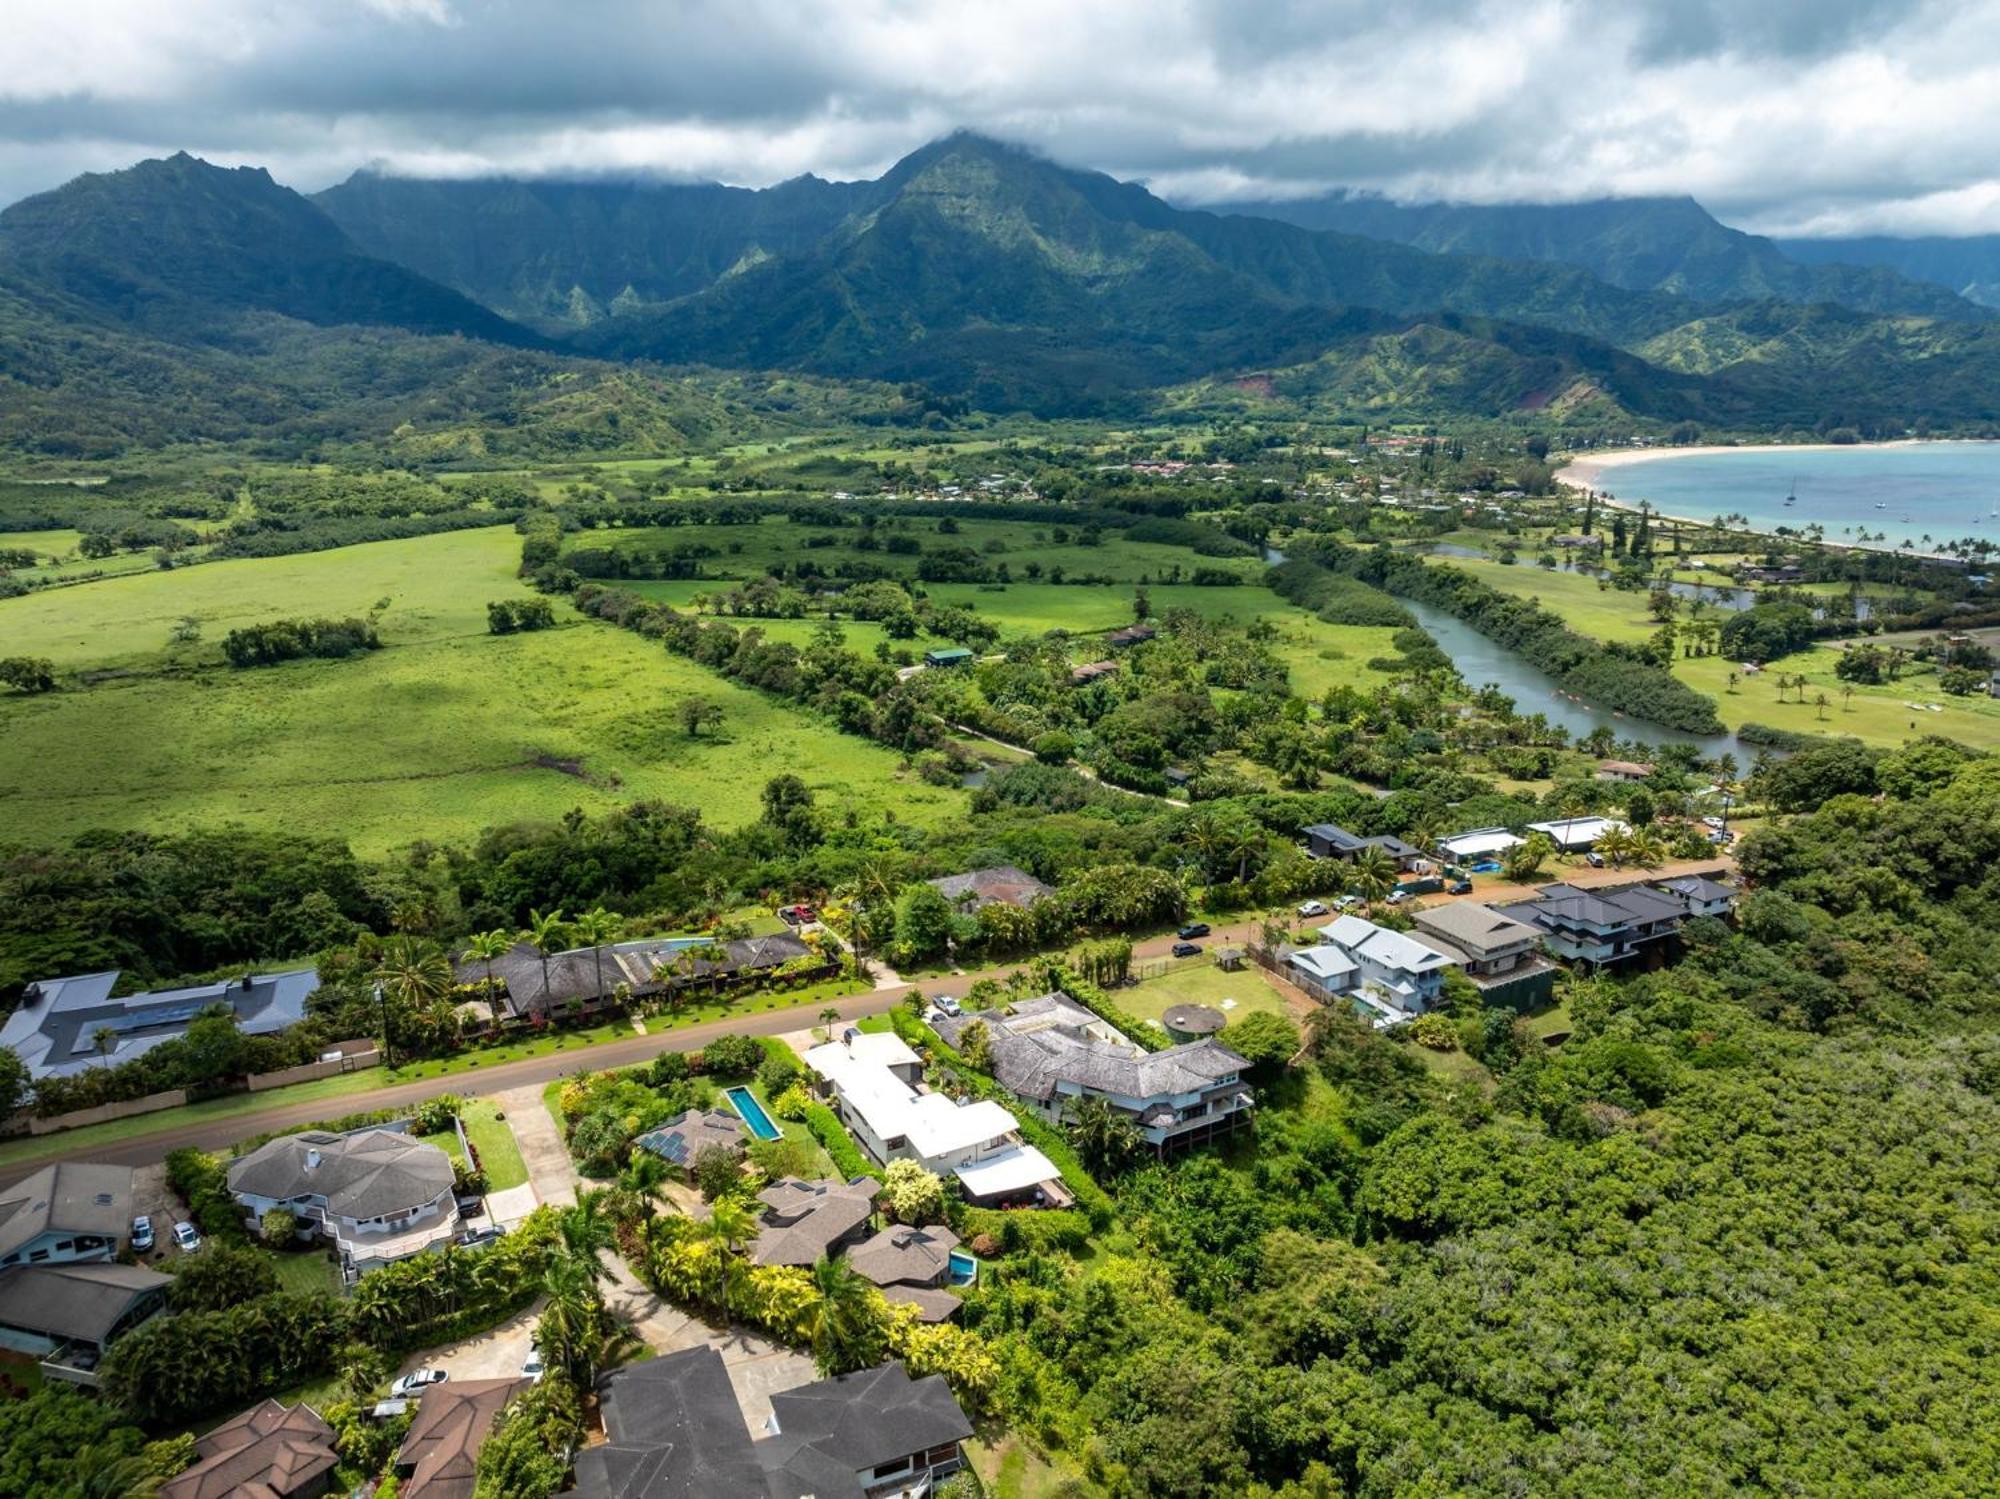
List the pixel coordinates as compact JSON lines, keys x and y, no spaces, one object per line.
{"x":537,"y":1072}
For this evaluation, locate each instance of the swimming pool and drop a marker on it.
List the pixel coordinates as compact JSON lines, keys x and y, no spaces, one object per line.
{"x":964,"y":1268}
{"x":752,"y":1112}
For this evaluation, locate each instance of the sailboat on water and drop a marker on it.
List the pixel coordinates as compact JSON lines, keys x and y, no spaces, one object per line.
{"x":1792,"y":498}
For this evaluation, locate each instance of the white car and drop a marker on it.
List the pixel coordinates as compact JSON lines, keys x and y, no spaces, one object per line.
{"x":416,"y":1382}
{"x":186,"y":1237}
{"x":1312,"y":908}
{"x":1347,"y":902}
{"x":948,"y":1005}
{"x":1397,"y":897}
{"x":142,"y":1234}
{"x":532,"y":1368}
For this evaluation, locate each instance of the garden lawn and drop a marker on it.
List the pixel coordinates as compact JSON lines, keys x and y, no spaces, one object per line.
{"x":492,"y":1137}
{"x":1196,"y":981}
{"x":304,"y":1270}
{"x":443,"y":733}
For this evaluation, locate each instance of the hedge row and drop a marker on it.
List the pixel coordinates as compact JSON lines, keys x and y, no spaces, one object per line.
{"x":833,"y":1137}
{"x":204,"y":1185}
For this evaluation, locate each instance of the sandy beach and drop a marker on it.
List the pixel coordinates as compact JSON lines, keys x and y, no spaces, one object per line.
{"x":1586,"y":471}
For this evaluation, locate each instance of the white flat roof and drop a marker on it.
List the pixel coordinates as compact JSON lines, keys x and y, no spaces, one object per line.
{"x":1481,"y":841}
{"x":884,"y":1047}
{"x":1568,"y":832}
{"x":933,"y":1124}
{"x":1010,"y":1171}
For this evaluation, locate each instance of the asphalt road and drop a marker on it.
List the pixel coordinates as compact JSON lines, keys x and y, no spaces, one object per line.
{"x":147,"y":1149}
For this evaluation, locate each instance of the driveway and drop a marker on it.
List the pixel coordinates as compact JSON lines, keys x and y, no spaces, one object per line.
{"x":497,"y":1353}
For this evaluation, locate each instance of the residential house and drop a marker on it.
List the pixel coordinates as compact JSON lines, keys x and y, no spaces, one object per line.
{"x":911,"y":1265}
{"x":677,"y":1431}
{"x":587,"y":979}
{"x":1480,"y":843}
{"x":1575,"y":834}
{"x":63,"y":1026}
{"x":439,"y":1458}
{"x":875,"y":1083}
{"x":1051,"y":1053}
{"x":687,"y":1135}
{"x":268,"y":1452}
{"x":1576,"y":543}
{"x":1603,"y":927}
{"x":1000,"y":884}
{"x":73,"y":1210}
{"x":1397,"y":976}
{"x":66,"y":1315}
{"x":1327,"y":840}
{"x":1323,"y":971}
{"x":1500,"y":955}
{"x":805,"y":1222}
{"x":949,"y":655}
{"x":1131,"y":635}
{"x":1700,"y":895}
{"x":376,"y":1195}
{"x":1091,"y":671}
{"x":1623,"y":770}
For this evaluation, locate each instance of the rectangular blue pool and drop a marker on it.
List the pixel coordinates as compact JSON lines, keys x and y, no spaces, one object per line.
{"x":752,"y":1113}
{"x":964,"y":1268}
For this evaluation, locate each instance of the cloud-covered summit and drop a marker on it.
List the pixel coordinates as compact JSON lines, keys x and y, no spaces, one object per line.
{"x":1815,"y":116}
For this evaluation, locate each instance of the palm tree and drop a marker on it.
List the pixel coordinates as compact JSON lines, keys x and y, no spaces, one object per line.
{"x":1106,"y":1140}
{"x":848,"y":1326}
{"x":1373,"y":874}
{"x":734,"y":1222}
{"x":105,"y":1039}
{"x":587,"y":1231}
{"x":413,"y":971}
{"x":571,"y":1332}
{"x":546,"y":934}
{"x":1615,"y":844}
{"x":639,"y":1185}
{"x":1648,"y":849}
{"x":488,"y":948}
{"x":827,"y":1018}
{"x":593,"y":929}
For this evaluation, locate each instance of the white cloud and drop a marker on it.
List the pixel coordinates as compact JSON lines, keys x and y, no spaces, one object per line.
{"x":1819,"y":115}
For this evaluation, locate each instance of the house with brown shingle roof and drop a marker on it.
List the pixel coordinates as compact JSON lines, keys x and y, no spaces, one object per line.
{"x":804,"y":1221}
{"x":268,"y":1452}
{"x":911,"y":1265}
{"x":440,"y":1454}
{"x":1001,"y":884}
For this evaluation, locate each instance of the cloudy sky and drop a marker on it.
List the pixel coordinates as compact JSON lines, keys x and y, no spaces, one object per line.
{"x":1813,"y":116}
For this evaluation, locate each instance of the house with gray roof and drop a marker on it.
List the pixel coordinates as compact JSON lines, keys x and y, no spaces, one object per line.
{"x":677,"y":1431}
{"x":66,"y":1315}
{"x":376,"y":1195}
{"x":71,"y":1211}
{"x":1001,"y":884}
{"x":1500,"y":955}
{"x":912,"y":1265}
{"x":1603,"y":927}
{"x":685,"y":1136}
{"x":1051,"y":1053}
{"x":1329,"y":840}
{"x":805,"y":1222}
{"x":63,"y":1026}
{"x":1700,"y":895}
{"x":586,"y":979}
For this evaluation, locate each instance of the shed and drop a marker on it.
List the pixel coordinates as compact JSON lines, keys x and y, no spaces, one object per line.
{"x":951,"y":655}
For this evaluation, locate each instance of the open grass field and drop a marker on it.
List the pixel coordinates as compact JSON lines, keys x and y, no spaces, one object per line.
{"x":445,"y":731}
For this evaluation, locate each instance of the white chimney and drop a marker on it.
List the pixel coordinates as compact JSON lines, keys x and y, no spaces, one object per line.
{"x":312,"y":1158}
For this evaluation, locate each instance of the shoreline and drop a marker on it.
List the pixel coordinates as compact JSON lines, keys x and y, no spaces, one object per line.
{"x":1584,"y":472}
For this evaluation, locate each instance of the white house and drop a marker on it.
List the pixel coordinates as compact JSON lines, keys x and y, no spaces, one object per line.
{"x":1570,"y":834}
{"x":377,"y":1195}
{"x":1397,"y":975}
{"x":873,"y":1080}
{"x":1324,"y":969}
{"x":75,"y":1210}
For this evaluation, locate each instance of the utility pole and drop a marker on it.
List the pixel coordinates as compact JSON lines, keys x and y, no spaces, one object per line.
{"x":382,"y":1005}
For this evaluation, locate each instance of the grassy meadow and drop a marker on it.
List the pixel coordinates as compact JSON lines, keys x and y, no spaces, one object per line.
{"x":445,"y":731}
{"x":1880,"y":715}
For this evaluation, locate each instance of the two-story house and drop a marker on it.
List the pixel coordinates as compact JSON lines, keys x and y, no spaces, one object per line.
{"x":1700,"y":895}
{"x":1392,"y":969}
{"x":71,"y":1211}
{"x":376,"y":1195}
{"x":1602,"y":928}
{"x":1501,"y":956}
{"x":1051,"y":1053}
{"x":874,"y":1082}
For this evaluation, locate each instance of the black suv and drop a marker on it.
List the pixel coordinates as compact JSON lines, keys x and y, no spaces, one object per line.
{"x":1193,"y":929}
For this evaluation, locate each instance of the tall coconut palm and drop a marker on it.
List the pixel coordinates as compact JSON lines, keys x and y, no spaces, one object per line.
{"x":1373,"y":874}
{"x":638,"y":1190}
{"x":1615,"y":844}
{"x":849,"y":1326}
{"x":587,"y":1231}
{"x":571,"y":1333}
{"x":593,"y":929}
{"x":413,"y":971}
{"x":546,"y":935}
{"x":488,"y":948}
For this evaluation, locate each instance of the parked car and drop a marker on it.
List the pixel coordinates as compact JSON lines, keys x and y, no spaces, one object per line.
{"x":1312,"y":908}
{"x":1187,"y":949}
{"x":416,"y":1382}
{"x":186,"y":1237}
{"x":1460,"y":887}
{"x":531,"y":1366}
{"x":806,"y":914}
{"x":1724,"y":838}
{"x":475,"y":1238}
{"x":1397,"y":897}
{"x":947,"y":1005}
{"x":142,"y":1234}
{"x":1193,"y":929}
{"x":1712,"y":822}
{"x":1595,"y":861}
{"x":1347,"y":903}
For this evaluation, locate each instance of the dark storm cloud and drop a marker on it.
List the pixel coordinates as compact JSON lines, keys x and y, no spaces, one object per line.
{"x":1834,"y":114}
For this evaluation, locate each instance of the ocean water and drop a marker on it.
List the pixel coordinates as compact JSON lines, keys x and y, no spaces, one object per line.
{"x":1943,"y":491}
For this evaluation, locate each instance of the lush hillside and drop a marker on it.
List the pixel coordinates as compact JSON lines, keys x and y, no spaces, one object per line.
{"x":164,"y":244}
{"x":1644,"y":244}
{"x":1968,"y":266}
